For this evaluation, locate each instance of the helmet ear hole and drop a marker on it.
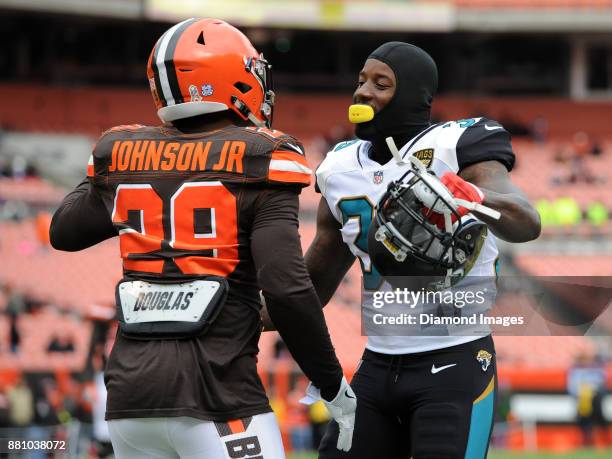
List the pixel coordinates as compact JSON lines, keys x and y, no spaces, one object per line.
{"x":242,"y":87}
{"x":201,"y":38}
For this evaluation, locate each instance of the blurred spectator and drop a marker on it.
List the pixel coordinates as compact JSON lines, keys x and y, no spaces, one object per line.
{"x":596,"y":148}
{"x":278,"y":405}
{"x":581,"y":148}
{"x":44,"y":411}
{"x":61,"y":343}
{"x":298,"y":422}
{"x":100,"y":426}
{"x":319,"y":418}
{"x":586,"y":383}
{"x":45,"y":418}
{"x":15,"y":306}
{"x":21,"y":404}
{"x":567,"y":212}
{"x":547,"y":213}
{"x":19,"y":166}
{"x":43,"y":222}
{"x":559,"y":173}
{"x":539,"y":130}
{"x":503,"y":415}
{"x":31,"y":171}
{"x":280,"y":350}
{"x":597,"y":214}
{"x":515,"y":127}
{"x":4,"y":407}
{"x":6,"y":169}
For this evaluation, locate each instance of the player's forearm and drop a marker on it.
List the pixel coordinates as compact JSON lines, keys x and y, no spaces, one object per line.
{"x":293,"y":309}
{"x":80,"y":221}
{"x":519,"y":221}
{"x":292,"y":302}
{"x":324,"y":271}
{"x":300,"y":322}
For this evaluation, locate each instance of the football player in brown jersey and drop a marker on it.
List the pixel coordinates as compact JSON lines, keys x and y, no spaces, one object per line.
{"x":205,"y":207}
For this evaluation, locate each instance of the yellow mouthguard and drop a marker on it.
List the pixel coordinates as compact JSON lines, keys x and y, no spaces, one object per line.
{"x":359,"y":113}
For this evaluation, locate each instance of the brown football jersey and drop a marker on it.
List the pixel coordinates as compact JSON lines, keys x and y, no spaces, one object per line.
{"x":182,"y":203}
{"x":184,"y":206}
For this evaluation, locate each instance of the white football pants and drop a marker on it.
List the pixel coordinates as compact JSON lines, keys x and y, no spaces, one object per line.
{"x":190,"y":438}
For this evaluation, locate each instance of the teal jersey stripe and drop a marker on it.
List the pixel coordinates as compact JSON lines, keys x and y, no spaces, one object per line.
{"x":480,"y":427}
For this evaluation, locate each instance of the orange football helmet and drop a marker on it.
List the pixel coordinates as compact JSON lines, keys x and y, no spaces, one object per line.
{"x":205,"y":66}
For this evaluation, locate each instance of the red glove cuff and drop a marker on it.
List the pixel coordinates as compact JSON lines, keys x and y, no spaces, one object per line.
{"x":460,"y":189}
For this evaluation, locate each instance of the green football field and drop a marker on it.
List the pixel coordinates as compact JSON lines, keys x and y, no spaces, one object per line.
{"x":578,"y":454}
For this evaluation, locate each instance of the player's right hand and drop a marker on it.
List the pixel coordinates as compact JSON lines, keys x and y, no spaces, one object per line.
{"x":342,"y":408}
{"x":461,"y":189}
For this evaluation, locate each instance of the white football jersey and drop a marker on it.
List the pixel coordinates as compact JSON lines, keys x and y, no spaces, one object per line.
{"x":352,"y":184}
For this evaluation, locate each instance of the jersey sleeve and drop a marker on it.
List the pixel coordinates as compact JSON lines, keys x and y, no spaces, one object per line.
{"x":288,"y":164}
{"x":486,"y":140}
{"x":291,"y":299}
{"x":81,"y":220}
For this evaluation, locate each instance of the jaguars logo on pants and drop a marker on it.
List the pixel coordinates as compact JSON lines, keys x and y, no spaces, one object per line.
{"x":484,"y":358}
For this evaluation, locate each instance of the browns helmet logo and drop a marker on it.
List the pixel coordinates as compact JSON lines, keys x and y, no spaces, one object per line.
{"x":425,"y":156}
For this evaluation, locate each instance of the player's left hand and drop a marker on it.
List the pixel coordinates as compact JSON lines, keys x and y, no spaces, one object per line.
{"x":460,"y":189}
{"x":342,"y":409}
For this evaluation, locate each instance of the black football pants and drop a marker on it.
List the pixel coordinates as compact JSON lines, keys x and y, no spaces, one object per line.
{"x":429,"y":405}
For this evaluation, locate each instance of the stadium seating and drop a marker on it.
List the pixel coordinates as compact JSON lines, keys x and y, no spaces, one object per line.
{"x":36,"y":332}
{"x":534,"y":4}
{"x":52,"y":276}
{"x":565,"y":265}
{"x":30,"y":190}
{"x":91,"y":110}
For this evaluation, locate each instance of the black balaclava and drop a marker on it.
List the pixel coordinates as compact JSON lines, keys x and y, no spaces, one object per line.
{"x":409,"y":111}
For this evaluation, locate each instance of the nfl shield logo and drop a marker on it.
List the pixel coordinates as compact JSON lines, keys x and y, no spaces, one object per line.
{"x":378,"y":177}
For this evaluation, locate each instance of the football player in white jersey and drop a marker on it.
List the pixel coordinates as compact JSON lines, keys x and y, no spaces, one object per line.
{"x":419,"y":396}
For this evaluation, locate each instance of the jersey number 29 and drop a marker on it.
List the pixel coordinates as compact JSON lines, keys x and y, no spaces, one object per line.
{"x":196,"y":249}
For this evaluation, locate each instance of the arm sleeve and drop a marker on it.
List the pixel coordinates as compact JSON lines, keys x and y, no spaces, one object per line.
{"x":81,"y":220}
{"x":291,"y":300}
{"x":486,"y":140}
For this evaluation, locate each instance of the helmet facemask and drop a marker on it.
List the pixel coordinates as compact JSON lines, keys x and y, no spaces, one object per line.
{"x":403,"y":242}
{"x":262,"y":71}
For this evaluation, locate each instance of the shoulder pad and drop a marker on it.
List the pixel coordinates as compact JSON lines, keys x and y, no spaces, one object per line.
{"x":115,"y":131}
{"x":287,"y":155}
{"x":103,"y":147}
{"x":341,"y":158}
{"x":124,"y":127}
{"x":485,"y":140}
{"x":272,"y":135}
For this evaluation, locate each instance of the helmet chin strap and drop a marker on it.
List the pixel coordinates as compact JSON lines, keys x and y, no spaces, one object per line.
{"x":256,"y":121}
{"x":242,"y":108}
{"x":494,"y":214}
{"x":394,"y":151}
{"x":448,"y":226}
